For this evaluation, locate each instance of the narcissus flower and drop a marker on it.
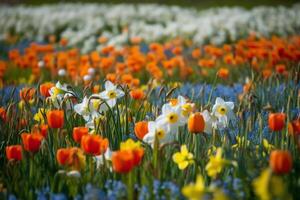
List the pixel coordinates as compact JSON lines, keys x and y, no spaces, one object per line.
{"x":183,"y":158}
{"x":194,"y":191}
{"x":171,"y":116}
{"x":94,"y":144}
{"x":39,"y":116}
{"x":223,"y":110}
{"x":32,"y":142}
{"x":216,"y":164}
{"x":90,"y":109}
{"x":276,"y":121}
{"x":79,"y":132}
{"x":111,"y":94}
{"x":55,"y":118}
{"x":159,"y":131}
{"x":269,"y":186}
{"x":14,"y":152}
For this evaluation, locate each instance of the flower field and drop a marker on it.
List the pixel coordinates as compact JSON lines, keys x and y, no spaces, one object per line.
{"x":149,"y":102}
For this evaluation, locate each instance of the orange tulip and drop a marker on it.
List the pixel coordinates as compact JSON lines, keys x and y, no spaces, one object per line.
{"x":94,"y":144}
{"x":196,"y":123}
{"x":280,"y":69}
{"x":71,"y":157}
{"x":62,"y":156}
{"x":281,"y":161}
{"x":137,"y":94}
{"x":141,"y":129}
{"x":32,"y":142}
{"x":3,"y":114}
{"x":44,"y":89}
{"x":223,"y":73}
{"x":294,"y":127}
{"x":14,"y":152}
{"x":55,"y":118}
{"x":78,"y":132}
{"x":277,"y":121}
{"x":27,"y":94}
{"x":122,"y":161}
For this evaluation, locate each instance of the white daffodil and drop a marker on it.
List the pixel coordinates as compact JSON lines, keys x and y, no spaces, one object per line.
{"x":100,"y":160}
{"x":58,"y":93}
{"x":223,"y":110}
{"x":172,"y":117}
{"x":186,"y":108}
{"x":111,"y":94}
{"x":90,"y":108}
{"x":160,"y":131}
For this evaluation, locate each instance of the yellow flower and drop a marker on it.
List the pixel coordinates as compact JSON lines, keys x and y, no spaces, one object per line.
{"x":240,"y":141}
{"x":21,"y":104}
{"x":194,"y":191}
{"x":219,"y":195}
{"x":215,"y":164}
{"x":130,"y":144}
{"x":268,"y":186}
{"x":39,"y":116}
{"x":267,"y":145}
{"x":183,"y":158}
{"x":261,"y":185}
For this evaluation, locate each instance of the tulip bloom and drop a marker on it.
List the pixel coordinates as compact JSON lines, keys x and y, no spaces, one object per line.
{"x":32,"y":142}
{"x":141,"y":129}
{"x":44,"y":89}
{"x":55,"y":118}
{"x":281,"y":161}
{"x":78,"y":132}
{"x":94,"y":144}
{"x":27,"y":94}
{"x":14,"y":152}
{"x":196,"y":123}
{"x":3,"y":114}
{"x":123,"y":161}
{"x":137,"y":94}
{"x":223,"y":73}
{"x":72,"y":157}
{"x":129,"y":156}
{"x":277,"y":121}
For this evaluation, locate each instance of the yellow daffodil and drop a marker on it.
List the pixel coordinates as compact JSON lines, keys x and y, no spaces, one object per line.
{"x":268,"y":186}
{"x":218,"y":194}
{"x":240,"y":141}
{"x":129,"y":144}
{"x":215,"y":164}
{"x":261,"y":185}
{"x":39,"y":116}
{"x":183,"y":158}
{"x":267,"y":145}
{"x":194,"y":191}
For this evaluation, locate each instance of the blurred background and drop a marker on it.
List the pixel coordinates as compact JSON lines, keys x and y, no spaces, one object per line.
{"x":201,"y":4}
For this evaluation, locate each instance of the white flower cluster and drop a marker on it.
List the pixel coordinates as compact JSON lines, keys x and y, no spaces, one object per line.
{"x":82,"y":24}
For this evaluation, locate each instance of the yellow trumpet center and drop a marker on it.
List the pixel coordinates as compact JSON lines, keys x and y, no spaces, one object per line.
{"x":160,"y":133}
{"x":222,"y":110}
{"x":96,"y":104}
{"x":112,"y":94}
{"x":172,"y":118}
